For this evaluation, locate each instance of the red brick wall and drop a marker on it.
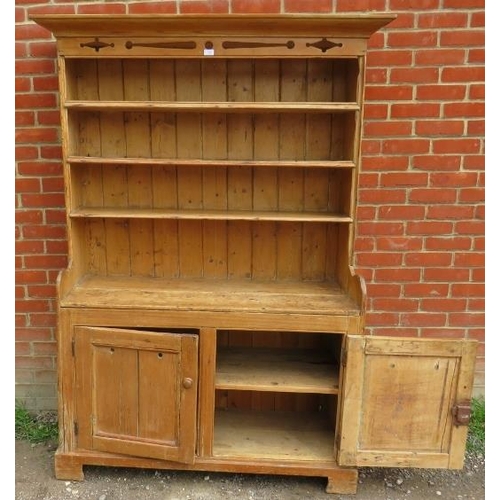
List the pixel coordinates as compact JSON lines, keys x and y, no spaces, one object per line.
{"x":420,"y":241}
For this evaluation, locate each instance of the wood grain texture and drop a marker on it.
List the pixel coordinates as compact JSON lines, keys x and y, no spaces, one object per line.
{"x":211,"y":209}
{"x":276,"y":370}
{"x":398,"y":401}
{"x":129,"y":381}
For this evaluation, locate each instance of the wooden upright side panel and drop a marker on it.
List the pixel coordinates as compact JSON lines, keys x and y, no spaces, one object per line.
{"x":399,"y":399}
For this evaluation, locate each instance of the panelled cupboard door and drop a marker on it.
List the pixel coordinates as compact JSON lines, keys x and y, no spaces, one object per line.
{"x":405,"y":402}
{"x":136,"y":392}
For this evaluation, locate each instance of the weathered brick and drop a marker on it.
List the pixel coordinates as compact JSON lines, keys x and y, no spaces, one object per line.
{"x":477,"y":91}
{"x":410,"y":146}
{"x":415,"y":75}
{"x":446,"y":305}
{"x":415,"y":110}
{"x":448,"y":243}
{"x":360,"y":5}
{"x":441,"y":92}
{"x":464,"y":4}
{"x":107,"y":8}
{"x":466,"y":74}
{"x":400,"y":305}
{"x":462,"y":38}
{"x":385,"y":163}
{"x":439,"y":127}
{"x":408,"y":38}
{"x":452,"y":179}
{"x":430,"y":195}
{"x":443,"y":20}
{"x":379,"y":197}
{"x":423,"y":319}
{"x":425,"y":259}
{"x":389,"y":92}
{"x":316,"y":6}
{"x":476,"y":56}
{"x":401,"y":212}
{"x":450,"y":212}
{"x":450,"y":146}
{"x":408,"y":179}
{"x":164,"y":7}
{"x":398,"y":275}
{"x":205,"y":6}
{"x":255,"y":6}
{"x":433,"y":162}
{"x":379,"y":259}
{"x":386,"y":58}
{"x":387,"y":129}
{"x":466,"y":319}
{"x":421,"y":5}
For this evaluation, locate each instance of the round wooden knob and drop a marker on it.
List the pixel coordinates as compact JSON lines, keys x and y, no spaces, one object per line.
{"x":187,"y":383}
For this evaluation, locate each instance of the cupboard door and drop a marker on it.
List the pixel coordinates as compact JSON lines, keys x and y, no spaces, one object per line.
{"x":404,"y":402}
{"x":136,"y":392}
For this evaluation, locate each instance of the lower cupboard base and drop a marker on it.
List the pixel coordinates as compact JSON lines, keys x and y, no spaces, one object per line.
{"x":69,"y":467}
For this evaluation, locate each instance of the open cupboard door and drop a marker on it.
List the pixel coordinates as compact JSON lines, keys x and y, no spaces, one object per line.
{"x":137,"y":392}
{"x":406,"y":402}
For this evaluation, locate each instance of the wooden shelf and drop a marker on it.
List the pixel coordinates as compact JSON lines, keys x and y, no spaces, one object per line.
{"x":213,"y":107}
{"x":203,"y":214}
{"x":217,"y":295}
{"x":276,"y":370}
{"x":273,"y":435}
{"x":198,"y":162}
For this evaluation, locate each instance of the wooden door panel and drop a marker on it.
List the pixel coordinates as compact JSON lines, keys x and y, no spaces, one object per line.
{"x":137,"y":392}
{"x":398,"y":402}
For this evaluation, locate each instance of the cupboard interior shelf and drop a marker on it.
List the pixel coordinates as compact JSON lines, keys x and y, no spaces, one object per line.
{"x":258,"y":369}
{"x":204,"y":214}
{"x":199,"y":162}
{"x":219,"y":295}
{"x":273,"y":435}
{"x":216,"y":107}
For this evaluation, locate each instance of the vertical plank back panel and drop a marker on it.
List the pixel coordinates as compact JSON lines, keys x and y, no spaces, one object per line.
{"x":292,"y":139}
{"x":164,"y":178}
{"x":240,"y":137}
{"x":265,"y":187}
{"x":87,"y":181}
{"x":138,"y":143}
{"x":115,"y":190}
{"x":190,"y":193}
{"x":214,"y":140}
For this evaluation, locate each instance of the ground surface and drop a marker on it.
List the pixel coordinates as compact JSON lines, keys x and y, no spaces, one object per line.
{"x":34,"y":480}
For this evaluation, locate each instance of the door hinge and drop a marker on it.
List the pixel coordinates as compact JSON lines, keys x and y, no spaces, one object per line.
{"x":75,"y":428}
{"x":461,"y":413}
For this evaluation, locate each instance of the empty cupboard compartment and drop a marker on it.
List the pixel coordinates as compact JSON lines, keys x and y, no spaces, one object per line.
{"x":285,"y":362}
{"x":279,"y":426}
